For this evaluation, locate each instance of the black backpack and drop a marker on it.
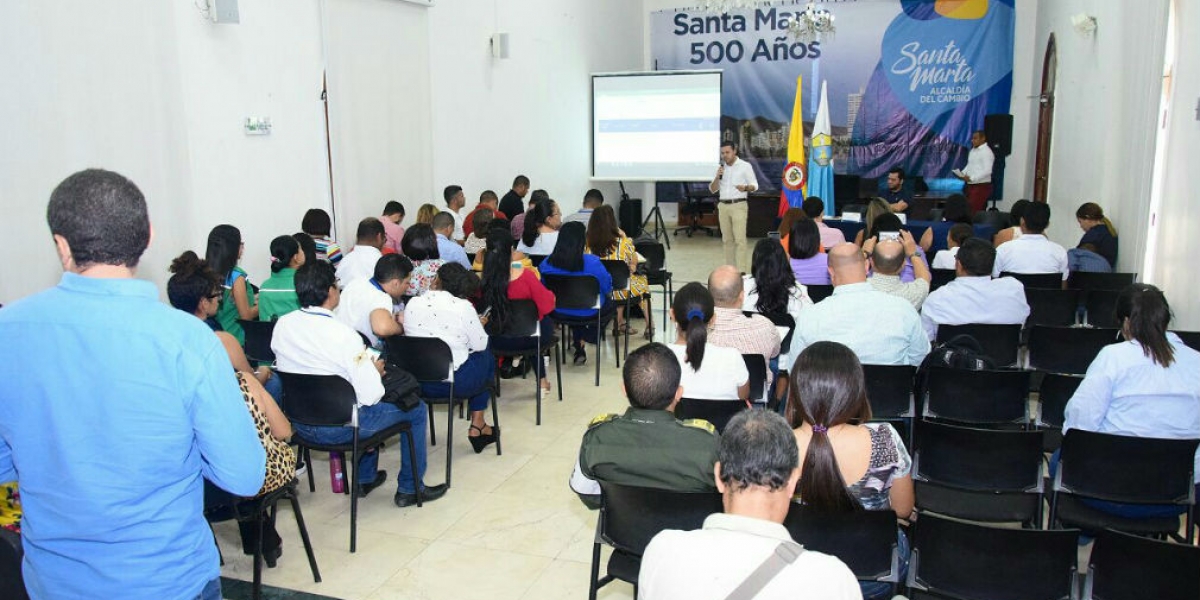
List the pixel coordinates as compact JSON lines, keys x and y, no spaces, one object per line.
{"x":959,"y":352}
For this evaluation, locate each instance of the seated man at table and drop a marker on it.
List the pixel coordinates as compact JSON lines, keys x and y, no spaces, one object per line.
{"x":973,"y":296}
{"x":1032,"y":252}
{"x":896,"y":194}
{"x":887,"y":260}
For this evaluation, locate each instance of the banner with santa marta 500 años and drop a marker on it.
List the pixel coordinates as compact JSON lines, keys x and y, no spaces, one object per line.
{"x":908,"y":80}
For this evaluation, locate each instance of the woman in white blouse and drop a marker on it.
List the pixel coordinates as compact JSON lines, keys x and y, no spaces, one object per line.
{"x":542,"y":223}
{"x":708,"y":372}
{"x":443,"y":312}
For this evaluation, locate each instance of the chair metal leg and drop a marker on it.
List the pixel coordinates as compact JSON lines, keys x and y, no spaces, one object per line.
{"x":537,"y":384}
{"x":353,"y":484}
{"x":626,"y":350}
{"x":412,"y":459}
{"x":312,"y":486}
{"x":256,"y":588}
{"x":594,"y":580}
{"x":449,"y":434}
{"x":599,"y":346}
{"x":496,"y":415}
{"x":558,"y":376}
{"x":432,"y":433}
{"x":308,"y":549}
{"x":496,"y":380}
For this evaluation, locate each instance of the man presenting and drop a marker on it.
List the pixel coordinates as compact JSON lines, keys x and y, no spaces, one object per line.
{"x":114,"y":408}
{"x":734,"y":181}
{"x":978,"y":172}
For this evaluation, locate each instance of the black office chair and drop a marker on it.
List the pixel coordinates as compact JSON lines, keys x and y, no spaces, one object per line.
{"x":330,"y":401}
{"x":716,"y":412}
{"x":940,"y":277}
{"x":1037,"y":280}
{"x":954,"y":559}
{"x":1051,"y":306}
{"x":864,"y":539}
{"x":258,"y":340}
{"x":979,"y":398}
{"x":1055,"y":391}
{"x":756,"y":365}
{"x":1102,"y":307}
{"x":618,"y":270}
{"x":1191,"y":339}
{"x":1067,"y":349}
{"x":696,"y":207}
{"x":819,"y":292}
{"x":429,"y":360}
{"x":978,"y":474}
{"x":890,"y":392}
{"x":631,"y":516}
{"x":1124,"y":469}
{"x":1000,"y":342}
{"x":1083,"y":280}
{"x":657,"y":274}
{"x":522,"y":323}
{"x":12,"y":582}
{"x":579,"y":292}
{"x":1130,"y":567}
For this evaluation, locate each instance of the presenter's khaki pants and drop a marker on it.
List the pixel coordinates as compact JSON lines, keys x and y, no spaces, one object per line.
{"x":732,"y":219}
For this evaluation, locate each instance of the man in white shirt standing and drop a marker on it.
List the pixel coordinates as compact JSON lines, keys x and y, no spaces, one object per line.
{"x":455,"y":200}
{"x":1032,"y":252}
{"x":311,"y":341}
{"x":978,"y":172}
{"x":756,"y":472}
{"x":359,"y":263}
{"x":368,"y":305}
{"x":973,"y":296}
{"x":733,"y":183}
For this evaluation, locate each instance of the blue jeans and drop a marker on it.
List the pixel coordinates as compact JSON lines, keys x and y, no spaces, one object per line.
{"x":274,"y":387}
{"x":371,"y":420}
{"x":471,"y":380}
{"x":211,"y":591}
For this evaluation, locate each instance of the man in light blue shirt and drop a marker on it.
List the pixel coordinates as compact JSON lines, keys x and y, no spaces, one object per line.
{"x":114,"y":408}
{"x":880,"y":328}
{"x":448,"y":250}
{"x":973,"y":296}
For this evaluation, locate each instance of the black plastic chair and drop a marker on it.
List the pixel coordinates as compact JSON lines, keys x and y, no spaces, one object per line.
{"x":657,"y":273}
{"x":618,"y":270}
{"x":865,"y":539}
{"x":756,"y":365}
{"x":1083,"y":280}
{"x":1037,"y":280}
{"x":579,"y":292}
{"x":1000,"y":342}
{"x":1067,"y":349}
{"x":631,"y":516}
{"x":999,"y":397}
{"x":12,"y":582}
{"x":780,"y":320}
{"x":1124,"y":469}
{"x":979,"y":474}
{"x":1129,"y":567}
{"x":717,"y":412}
{"x":1102,"y":307}
{"x":954,"y":559}
{"x":1051,"y":306}
{"x":536,"y":259}
{"x":429,"y":360}
{"x":522,"y":323}
{"x":890,"y":392}
{"x":1191,"y":339}
{"x":1055,"y":391}
{"x":258,"y":340}
{"x":940,"y":277}
{"x":819,"y":292}
{"x":330,"y":401}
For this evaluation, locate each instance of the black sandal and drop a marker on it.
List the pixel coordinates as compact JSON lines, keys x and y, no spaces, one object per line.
{"x":481,"y":441}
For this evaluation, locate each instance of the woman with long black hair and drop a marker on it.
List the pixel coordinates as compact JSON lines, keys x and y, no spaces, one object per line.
{"x":708,"y":372}
{"x":541,"y":229}
{"x":505,"y":279}
{"x":568,"y":258}
{"x":237,"y":300}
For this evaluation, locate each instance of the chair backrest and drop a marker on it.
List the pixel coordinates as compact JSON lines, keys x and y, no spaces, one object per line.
{"x":1130,"y":567}
{"x":819,"y":292}
{"x":579,"y":292}
{"x":1055,"y":391}
{"x":997,"y":219}
{"x":427,"y":359}
{"x":940,"y":277}
{"x":521,"y":320}
{"x":258,"y":340}
{"x":890,"y":390}
{"x":12,"y":584}
{"x":1084,"y":280}
{"x":619,"y":271}
{"x":717,"y":412}
{"x":999,"y":342}
{"x":654,"y":253}
{"x":964,"y":560}
{"x":863,"y":539}
{"x":536,"y":259}
{"x":317,"y":399}
{"x":757,"y":366}
{"x":1067,"y":349}
{"x":1051,"y":306}
{"x":631,"y":516}
{"x":986,"y":460}
{"x":1102,"y":307}
{"x":977,"y":397}
{"x":1134,"y":470}
{"x":780,"y":320}
{"x":1190,"y":338}
{"x":1037,"y":280}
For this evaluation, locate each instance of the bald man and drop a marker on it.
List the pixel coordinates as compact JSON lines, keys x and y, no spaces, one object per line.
{"x":881,"y":329}
{"x":888,"y":258}
{"x":731,"y":328}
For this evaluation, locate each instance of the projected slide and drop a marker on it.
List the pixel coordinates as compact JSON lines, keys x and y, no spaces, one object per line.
{"x":656,"y":126}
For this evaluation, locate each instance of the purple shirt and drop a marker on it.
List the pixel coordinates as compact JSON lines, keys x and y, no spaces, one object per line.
{"x":812,"y":271}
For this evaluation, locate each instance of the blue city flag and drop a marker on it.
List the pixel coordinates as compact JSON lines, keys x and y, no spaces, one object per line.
{"x":820,"y":160}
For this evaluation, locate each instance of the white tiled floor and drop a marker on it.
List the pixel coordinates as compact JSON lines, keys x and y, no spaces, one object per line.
{"x":509,"y":528}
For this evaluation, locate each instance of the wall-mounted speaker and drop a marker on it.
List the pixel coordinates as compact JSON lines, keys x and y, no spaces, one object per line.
{"x":998,"y":129}
{"x":500,"y":45}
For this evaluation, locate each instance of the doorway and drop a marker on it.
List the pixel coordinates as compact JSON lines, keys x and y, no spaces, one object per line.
{"x":1041,"y":173}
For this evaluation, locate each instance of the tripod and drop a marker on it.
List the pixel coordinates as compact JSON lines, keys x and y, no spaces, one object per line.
{"x":660,"y":226}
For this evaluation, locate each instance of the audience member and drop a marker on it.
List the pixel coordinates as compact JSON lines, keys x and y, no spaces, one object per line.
{"x":809,"y":264}
{"x":1013,"y":231}
{"x":420,"y":246}
{"x":568,"y":258}
{"x":111,"y":452}
{"x":888,"y":259}
{"x":1099,"y":241}
{"x":480,"y":219}
{"x":790,"y":216}
{"x":359,"y":262}
{"x":318,"y":225}
{"x":592,"y":200}
{"x":723,"y":376}
{"x":541,"y":226}
{"x":731,"y":328}
{"x":448,"y":250}
{"x":756,"y":473}
{"x":814,"y":209}
{"x":425,"y":214}
{"x":277,"y":296}
{"x":487,"y":200}
{"x":896,"y":194}
{"x":954,"y":212}
{"x":647,"y":446}
{"x":1032,"y":252}
{"x":879,"y":328}
{"x":771,"y":289}
{"x":393,"y":216}
{"x":958,"y":234}
{"x":367,"y":305}
{"x":307,"y":246}
{"x":973,"y":296}
{"x":506,"y":278}
{"x":311,"y":341}
{"x":225,"y":249}
{"x":513,"y":202}
{"x":518,"y":222}
{"x":607,"y":241}
{"x":889,"y":226}
{"x":455,"y":200}
{"x":876,"y":208}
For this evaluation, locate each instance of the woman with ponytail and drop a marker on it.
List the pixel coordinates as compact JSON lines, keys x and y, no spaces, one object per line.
{"x":506,"y":278}
{"x":238,"y":300}
{"x":708,"y":372}
{"x":1099,"y":238}
{"x":277,"y":296}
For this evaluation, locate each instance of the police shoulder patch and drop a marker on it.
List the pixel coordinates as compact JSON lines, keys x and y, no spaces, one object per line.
{"x":699,"y":424}
{"x":601,"y":419}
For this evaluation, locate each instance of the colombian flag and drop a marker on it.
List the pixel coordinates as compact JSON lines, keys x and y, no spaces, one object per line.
{"x":795,"y":175}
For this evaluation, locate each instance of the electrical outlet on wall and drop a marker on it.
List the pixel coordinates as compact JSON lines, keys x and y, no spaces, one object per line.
{"x":257,"y":126}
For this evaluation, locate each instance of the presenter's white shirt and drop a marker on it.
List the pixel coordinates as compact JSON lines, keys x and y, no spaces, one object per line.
{"x":739,"y":173}
{"x":979,"y":164}
{"x":1032,"y":253}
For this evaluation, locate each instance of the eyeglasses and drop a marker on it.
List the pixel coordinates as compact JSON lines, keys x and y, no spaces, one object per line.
{"x":215,"y":295}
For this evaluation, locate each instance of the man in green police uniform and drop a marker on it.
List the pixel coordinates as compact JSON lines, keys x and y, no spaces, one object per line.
{"x":647,"y":446}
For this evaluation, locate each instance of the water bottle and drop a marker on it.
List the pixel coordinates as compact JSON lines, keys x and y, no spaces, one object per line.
{"x":337,"y":473}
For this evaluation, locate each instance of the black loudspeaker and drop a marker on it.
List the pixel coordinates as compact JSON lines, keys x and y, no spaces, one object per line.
{"x":631,"y":217}
{"x":998,"y":129}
